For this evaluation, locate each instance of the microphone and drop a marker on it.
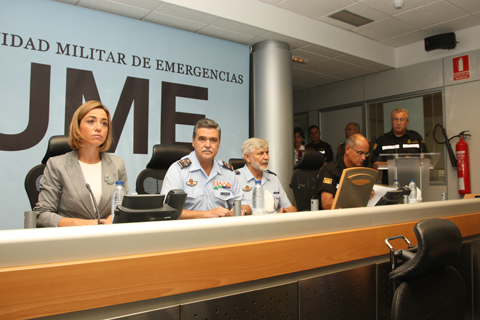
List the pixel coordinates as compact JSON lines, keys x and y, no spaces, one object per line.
{"x":94,"y":202}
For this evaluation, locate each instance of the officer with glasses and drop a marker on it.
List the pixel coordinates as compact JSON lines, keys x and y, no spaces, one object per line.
{"x":356,"y":151}
{"x":397,"y":140}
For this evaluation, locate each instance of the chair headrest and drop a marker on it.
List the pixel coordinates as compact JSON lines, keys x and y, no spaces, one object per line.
{"x":237,"y":163}
{"x":164,"y":155}
{"x":57,"y":145}
{"x":439,"y":242}
{"x":311,"y":160}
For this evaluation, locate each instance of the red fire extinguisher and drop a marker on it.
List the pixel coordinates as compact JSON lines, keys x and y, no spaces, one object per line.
{"x":463,"y":165}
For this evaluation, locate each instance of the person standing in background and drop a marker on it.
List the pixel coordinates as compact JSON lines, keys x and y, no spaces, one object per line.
{"x":319,"y":145}
{"x":298,"y":147}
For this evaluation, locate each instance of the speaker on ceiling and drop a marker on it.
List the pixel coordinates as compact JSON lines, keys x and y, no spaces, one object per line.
{"x":441,"y":41}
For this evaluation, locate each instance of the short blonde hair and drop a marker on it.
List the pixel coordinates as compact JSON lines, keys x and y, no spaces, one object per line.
{"x":399,"y":110}
{"x":75,"y":138}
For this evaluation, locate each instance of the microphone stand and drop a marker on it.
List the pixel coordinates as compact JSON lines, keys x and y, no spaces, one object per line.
{"x":94,"y":202}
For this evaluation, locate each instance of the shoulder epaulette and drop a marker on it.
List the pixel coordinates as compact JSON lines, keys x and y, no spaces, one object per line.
{"x":271,"y":172}
{"x":237,"y":172}
{"x":227,"y":165}
{"x":183,"y":163}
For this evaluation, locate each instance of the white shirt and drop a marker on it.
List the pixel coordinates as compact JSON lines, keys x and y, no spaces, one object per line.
{"x":92,"y":173}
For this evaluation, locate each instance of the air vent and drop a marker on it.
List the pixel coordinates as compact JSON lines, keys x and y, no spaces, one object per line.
{"x":350,"y":18}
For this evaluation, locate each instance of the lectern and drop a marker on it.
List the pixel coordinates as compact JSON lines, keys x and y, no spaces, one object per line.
{"x":407,"y":166}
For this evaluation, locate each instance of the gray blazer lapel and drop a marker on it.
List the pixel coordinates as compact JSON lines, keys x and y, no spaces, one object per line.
{"x":76,"y":177}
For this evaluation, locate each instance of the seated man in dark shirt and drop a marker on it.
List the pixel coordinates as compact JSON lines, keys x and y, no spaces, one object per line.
{"x":356,"y":151}
{"x":319,"y":145}
{"x":397,"y":140}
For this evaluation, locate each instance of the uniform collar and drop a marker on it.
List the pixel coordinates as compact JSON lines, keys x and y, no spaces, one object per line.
{"x":249,"y":175}
{"x":196,"y":164}
{"x":392,"y":134}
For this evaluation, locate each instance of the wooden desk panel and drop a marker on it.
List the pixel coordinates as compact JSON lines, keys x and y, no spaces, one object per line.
{"x":49,"y":289}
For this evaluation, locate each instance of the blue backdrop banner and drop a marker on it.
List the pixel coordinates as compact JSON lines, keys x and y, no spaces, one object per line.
{"x":156,"y":81}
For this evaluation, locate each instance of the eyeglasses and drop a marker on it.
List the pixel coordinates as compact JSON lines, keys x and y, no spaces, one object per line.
{"x":361,"y":153}
{"x":399,"y":120}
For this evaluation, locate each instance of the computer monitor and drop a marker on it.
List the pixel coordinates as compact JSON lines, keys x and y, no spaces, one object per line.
{"x":150,"y":207}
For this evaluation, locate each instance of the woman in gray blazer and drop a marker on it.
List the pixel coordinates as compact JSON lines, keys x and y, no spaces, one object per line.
{"x":64,"y":199}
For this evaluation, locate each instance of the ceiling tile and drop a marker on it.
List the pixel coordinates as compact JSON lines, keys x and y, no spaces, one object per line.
{"x":312,"y":57}
{"x":185,"y":13}
{"x":354,"y":73}
{"x":299,"y":87}
{"x":378,"y":67}
{"x":353,"y":60}
{"x":453,"y":25}
{"x":294,"y":43}
{"x":431,"y":14}
{"x":174,"y":22}
{"x":115,"y":8}
{"x":322,"y":51}
{"x":384,"y":29}
{"x":322,"y":81}
{"x":331,"y":66}
{"x":386,"y":6}
{"x":68,"y":1}
{"x":302,"y":75}
{"x":407,"y":38}
{"x":314,"y":8}
{"x":144,"y":4}
{"x":239,"y":27}
{"x":224,"y":34}
{"x":467,"y":5}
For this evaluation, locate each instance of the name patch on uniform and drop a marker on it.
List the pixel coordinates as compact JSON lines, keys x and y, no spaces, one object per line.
{"x":327,"y":180}
{"x":395,"y":146}
{"x":412,"y":145}
{"x":225,"y":193}
{"x":276,"y":192}
{"x":321,"y":151}
{"x":191,"y":183}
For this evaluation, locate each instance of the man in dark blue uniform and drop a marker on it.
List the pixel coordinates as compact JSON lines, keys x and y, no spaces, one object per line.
{"x":397,"y":140}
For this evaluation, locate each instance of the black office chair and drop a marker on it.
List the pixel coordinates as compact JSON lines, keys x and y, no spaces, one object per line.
{"x":237,"y":163}
{"x":57,"y":145}
{"x":429,"y":289}
{"x":304,"y":178}
{"x":164,"y":155}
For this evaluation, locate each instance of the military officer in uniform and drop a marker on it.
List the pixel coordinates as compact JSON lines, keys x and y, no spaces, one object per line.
{"x":211,"y":185}
{"x":356,"y":152}
{"x":397,"y":140}
{"x":319,"y":145}
{"x":255,"y":153}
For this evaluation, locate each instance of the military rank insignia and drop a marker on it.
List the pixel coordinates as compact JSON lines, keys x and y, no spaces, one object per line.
{"x":375,"y":146}
{"x":228,"y":166}
{"x":219,"y":185}
{"x":183,"y":163}
{"x":327,"y":180}
{"x":191,"y":183}
{"x":247,"y":189}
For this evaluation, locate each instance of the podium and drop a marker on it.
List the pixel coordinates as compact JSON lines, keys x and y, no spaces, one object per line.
{"x":407,"y":166}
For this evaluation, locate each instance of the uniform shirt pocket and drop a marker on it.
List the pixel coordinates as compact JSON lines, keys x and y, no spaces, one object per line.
{"x":193,"y":193}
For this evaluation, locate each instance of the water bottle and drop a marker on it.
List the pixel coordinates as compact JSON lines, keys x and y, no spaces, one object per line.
{"x":258,"y":197}
{"x":396,"y":184}
{"x":117,"y":196}
{"x":412,"y":198}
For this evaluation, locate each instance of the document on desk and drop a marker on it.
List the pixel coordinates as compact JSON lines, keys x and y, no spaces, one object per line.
{"x":380,"y":191}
